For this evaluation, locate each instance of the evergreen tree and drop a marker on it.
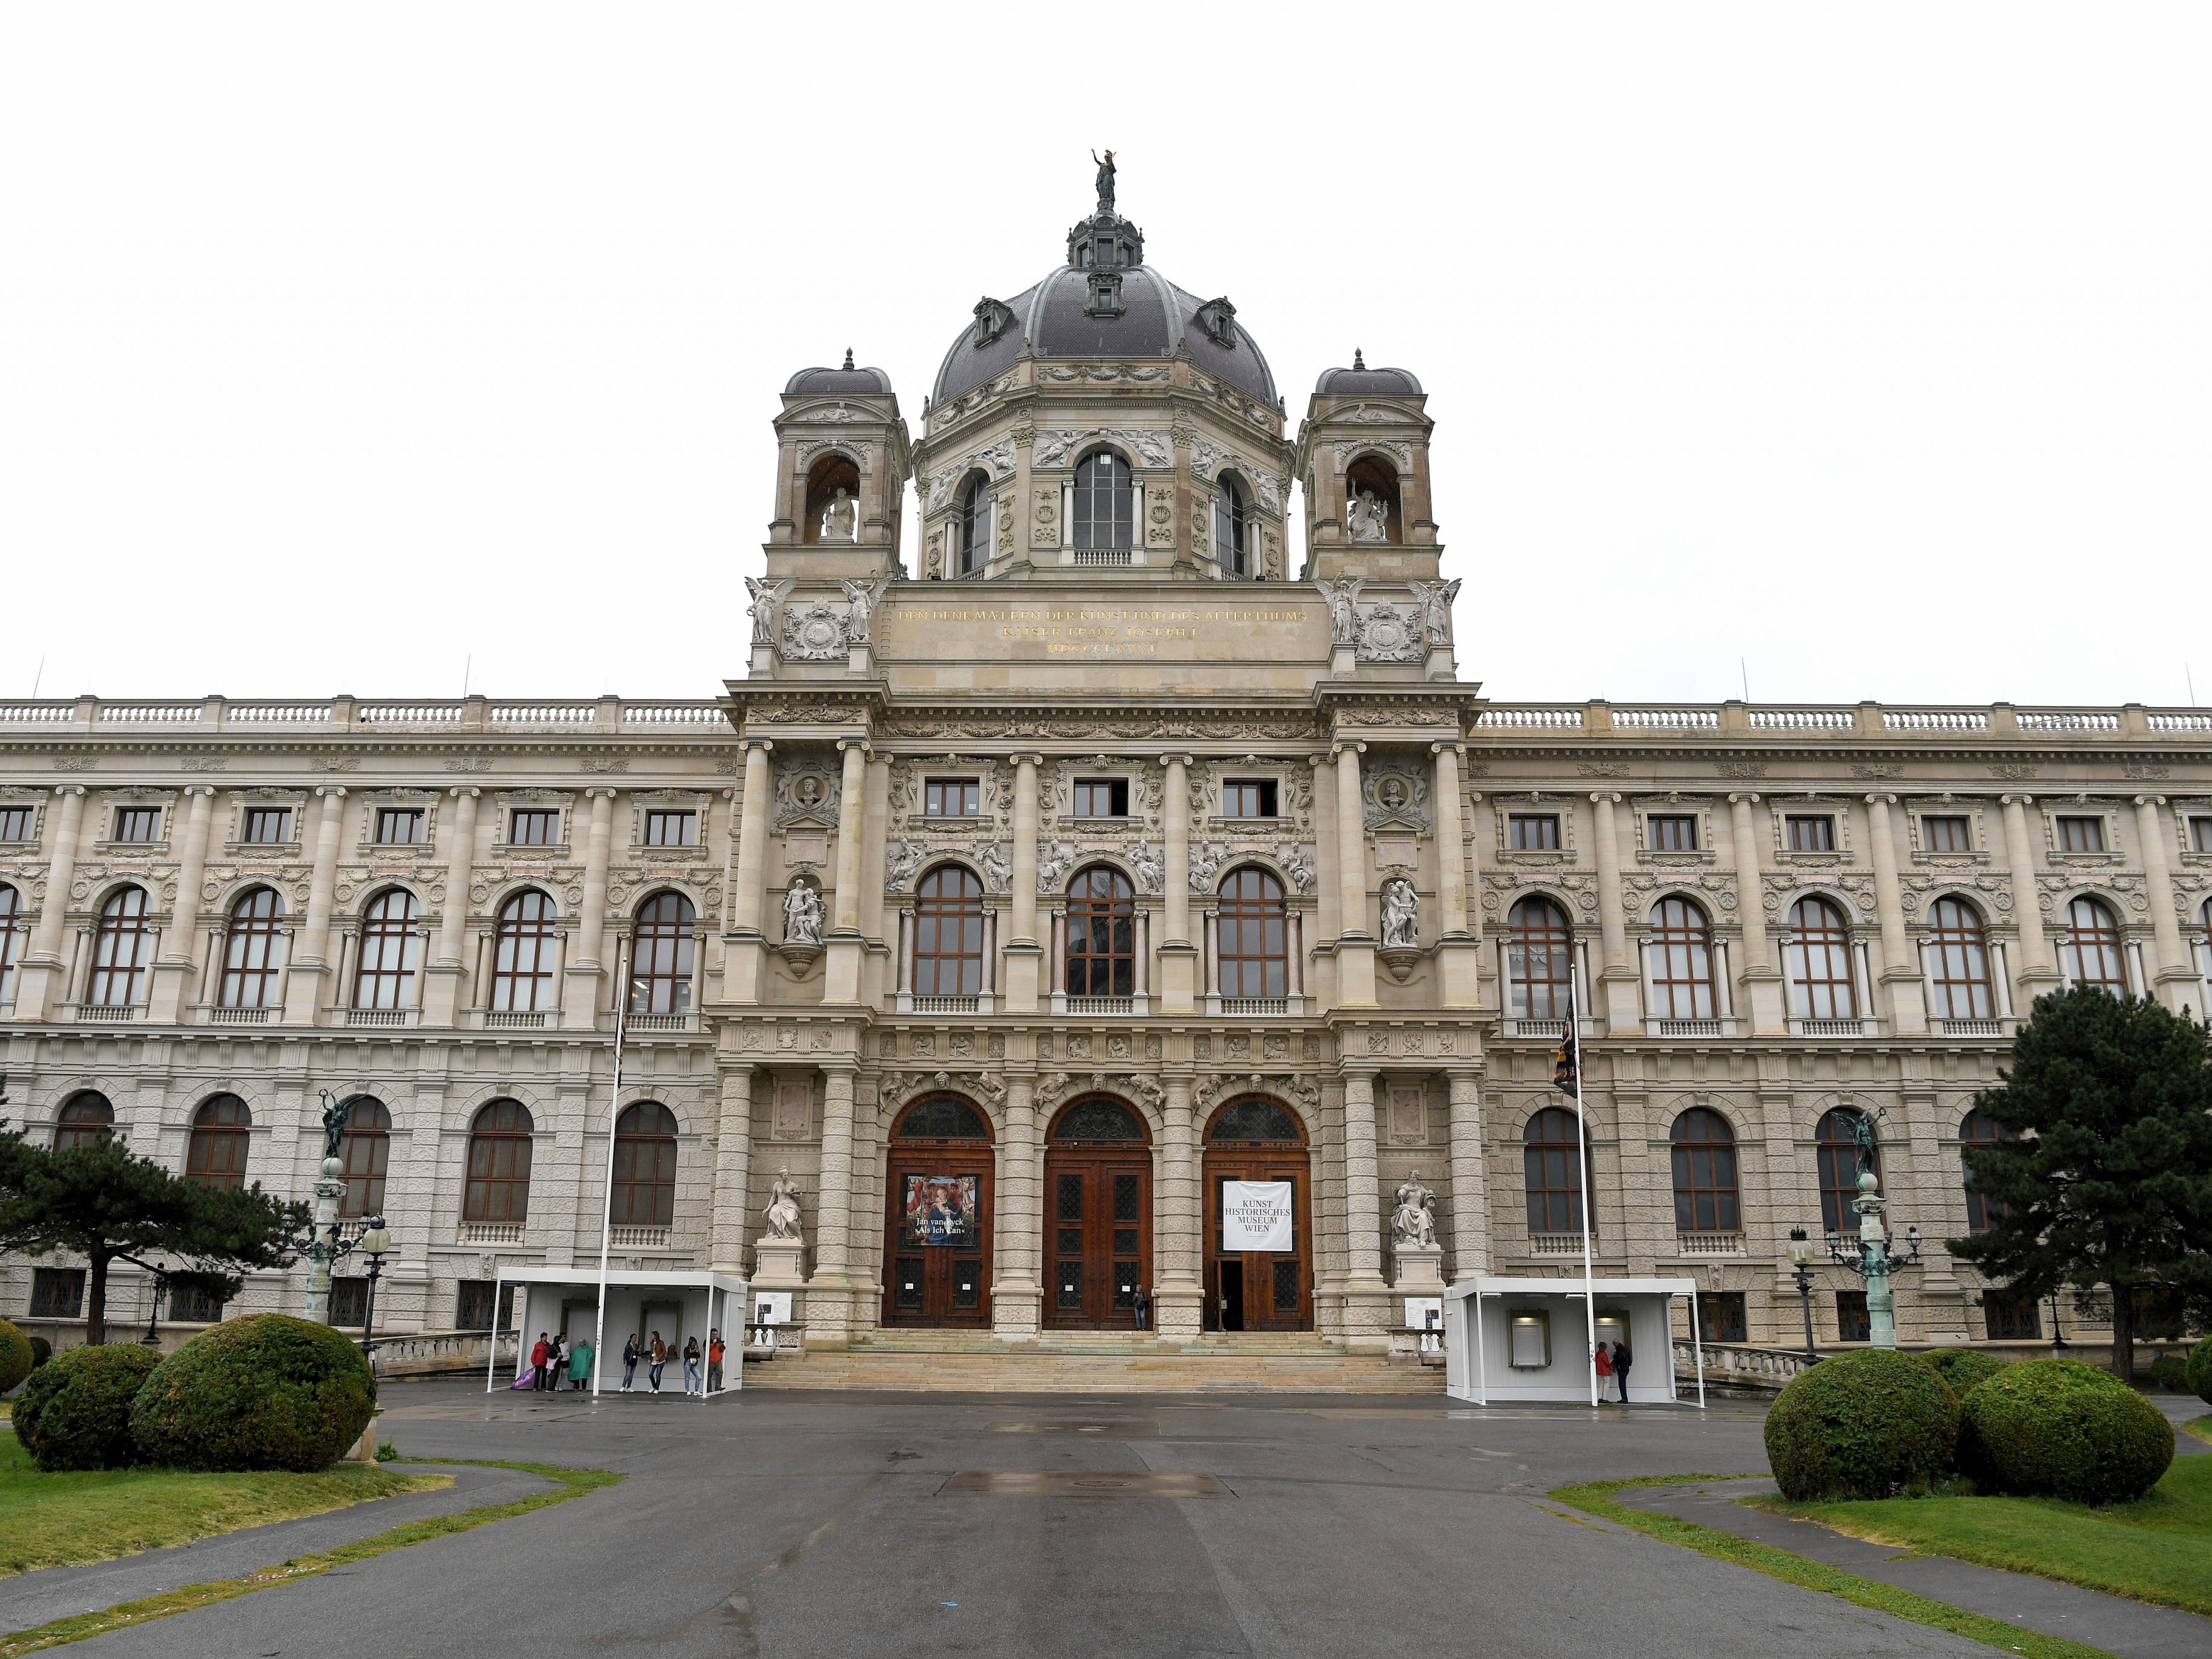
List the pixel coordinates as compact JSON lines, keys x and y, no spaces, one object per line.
{"x":2110,"y":1182}
{"x":104,"y":1204}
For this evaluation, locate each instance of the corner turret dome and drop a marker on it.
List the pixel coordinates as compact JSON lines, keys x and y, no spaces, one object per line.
{"x":810,"y":381}
{"x":1347,"y":382}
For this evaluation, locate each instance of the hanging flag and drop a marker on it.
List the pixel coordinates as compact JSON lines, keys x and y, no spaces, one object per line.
{"x":1565,"y":1073}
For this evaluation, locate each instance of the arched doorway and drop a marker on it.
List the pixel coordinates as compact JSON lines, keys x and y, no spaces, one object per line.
{"x":1258,"y":1219}
{"x":937,"y":1210}
{"x":1098,"y":1215}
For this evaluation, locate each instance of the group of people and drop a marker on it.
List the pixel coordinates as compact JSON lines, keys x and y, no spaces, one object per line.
{"x":554,"y":1357}
{"x":1613,"y":1363}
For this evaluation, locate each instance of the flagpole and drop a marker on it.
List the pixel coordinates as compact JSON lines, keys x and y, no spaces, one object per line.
{"x":1583,"y":1198}
{"x":607,"y":1193}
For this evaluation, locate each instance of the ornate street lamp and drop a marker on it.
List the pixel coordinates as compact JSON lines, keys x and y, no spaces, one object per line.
{"x":323,"y":1247}
{"x":1869,"y":1258}
{"x":1801,"y":1254}
{"x":375,"y":1239}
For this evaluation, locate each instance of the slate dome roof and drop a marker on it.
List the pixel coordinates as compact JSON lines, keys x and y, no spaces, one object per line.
{"x":1341,"y":382}
{"x":848,"y":379}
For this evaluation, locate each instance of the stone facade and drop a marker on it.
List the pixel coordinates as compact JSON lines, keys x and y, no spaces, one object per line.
{"x":1043,"y":639}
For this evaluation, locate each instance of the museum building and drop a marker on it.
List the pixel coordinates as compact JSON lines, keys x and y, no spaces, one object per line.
{"x":1079,"y":905}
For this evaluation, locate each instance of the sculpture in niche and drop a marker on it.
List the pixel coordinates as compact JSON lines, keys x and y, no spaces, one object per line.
{"x":1151,"y":872}
{"x":782,"y":1210}
{"x":802,"y":915}
{"x":861,"y":612}
{"x":841,"y":518}
{"x":1367,"y":518}
{"x":1434,"y":602}
{"x":768,"y":602}
{"x":1413,"y":1219}
{"x":1343,"y":598}
{"x":1053,"y":865}
{"x":1401,"y":912}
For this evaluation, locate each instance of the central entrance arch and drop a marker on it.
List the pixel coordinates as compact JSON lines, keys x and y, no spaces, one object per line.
{"x":1099,"y":1197}
{"x":937,"y":1210}
{"x":1259,"y":1272}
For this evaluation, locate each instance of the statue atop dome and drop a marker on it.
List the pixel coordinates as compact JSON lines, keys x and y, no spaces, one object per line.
{"x":1105,"y":181}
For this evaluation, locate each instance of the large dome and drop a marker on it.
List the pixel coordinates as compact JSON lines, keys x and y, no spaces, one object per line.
{"x":1140,"y":314}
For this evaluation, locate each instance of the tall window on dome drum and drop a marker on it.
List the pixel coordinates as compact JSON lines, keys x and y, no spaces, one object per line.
{"x":1105,"y":512}
{"x":975,"y":527}
{"x":1230,"y":529}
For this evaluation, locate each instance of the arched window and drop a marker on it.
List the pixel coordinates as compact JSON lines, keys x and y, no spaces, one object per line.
{"x":1105,"y":510}
{"x":1959,"y":961}
{"x":948,"y":933}
{"x":941,"y":1117}
{"x":1704,"y":1174}
{"x":253,"y":951}
{"x":1371,"y":502}
{"x":365,"y":1153}
{"x":1230,"y":527}
{"x":1254,"y":947}
{"x":216,"y":1155}
{"x":975,"y":548}
{"x":12,"y":925}
{"x":1550,"y":1161}
{"x":1836,"y":1154}
{"x":1243,"y":1122}
{"x":1098,"y":1119}
{"x":120,"y":951}
{"x":2089,"y":947}
{"x":499,"y":1166}
{"x":1681,"y":957}
{"x":384,"y":976}
{"x":87,"y":1119}
{"x":1819,"y":958}
{"x":522,"y":957}
{"x":661,"y":956}
{"x":1102,"y":923}
{"x":1538,"y":959}
{"x":1978,"y":1129}
{"x":828,"y":476}
{"x":645,"y":1166}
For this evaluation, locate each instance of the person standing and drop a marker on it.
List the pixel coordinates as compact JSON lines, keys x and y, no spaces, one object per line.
{"x":656,"y":1356}
{"x":714,"y":1362}
{"x":1620,"y":1358}
{"x":692,"y":1383}
{"x":560,"y":1362}
{"x":1141,"y":1305}
{"x":1604,"y":1364}
{"x":629,"y":1361}
{"x":580,"y":1364}
{"x":540,"y":1354}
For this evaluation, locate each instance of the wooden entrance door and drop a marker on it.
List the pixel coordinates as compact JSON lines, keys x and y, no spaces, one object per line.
{"x":1258,"y":1141}
{"x":1098,"y":1216}
{"x":936,"y":1208}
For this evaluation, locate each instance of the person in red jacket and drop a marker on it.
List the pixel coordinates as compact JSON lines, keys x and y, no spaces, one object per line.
{"x":539,"y":1357}
{"x":1604,"y":1362}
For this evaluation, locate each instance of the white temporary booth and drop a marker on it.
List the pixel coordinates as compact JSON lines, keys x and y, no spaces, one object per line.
{"x":1529,"y":1338}
{"x":677,"y":1304}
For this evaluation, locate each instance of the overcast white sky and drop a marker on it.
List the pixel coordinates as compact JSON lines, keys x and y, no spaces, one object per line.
{"x":1871,"y":344}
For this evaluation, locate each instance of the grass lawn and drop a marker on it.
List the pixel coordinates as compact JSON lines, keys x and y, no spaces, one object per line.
{"x":2158,"y":1549}
{"x":65,"y":1520}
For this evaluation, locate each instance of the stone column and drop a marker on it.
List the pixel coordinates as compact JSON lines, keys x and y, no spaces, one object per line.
{"x":842,"y":983}
{"x":1366,"y":1304}
{"x":1179,"y":970}
{"x":41,"y":983}
{"x":1762,"y":979}
{"x":1470,"y":1228}
{"x":1023,"y":953}
{"x":742,"y":961}
{"x":1178,"y":1288}
{"x":2174,"y":971}
{"x":829,"y":1301}
{"x":1618,"y":981}
{"x":303,"y":979}
{"x":580,"y":1005}
{"x":1017,"y":1294}
{"x":441,"y":979}
{"x":1900,"y":966}
{"x":1355,"y":946}
{"x":173,"y":974}
{"x":2036,"y":972}
{"x":732,"y":1201}
{"x":1459,"y":955}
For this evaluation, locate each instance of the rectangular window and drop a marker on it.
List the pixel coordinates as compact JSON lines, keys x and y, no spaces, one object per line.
{"x":1852,"y":1322}
{"x":137,"y":823}
{"x":1532,"y":832}
{"x":194,"y":1304}
{"x":268,"y":826}
{"x":532,"y":827}
{"x":2081,"y":834}
{"x":1673,"y":833}
{"x":350,"y":1302}
{"x":399,"y":826}
{"x":2200,"y":832}
{"x":1946,"y":834}
{"x":56,"y":1293}
{"x":1254,"y":799}
{"x":672,"y":829}
{"x":15,"y":823}
{"x":2009,"y":1317}
{"x":472,"y":1305}
{"x":952,"y":797}
{"x":1721,"y":1317}
{"x":1102,"y":798}
{"x":1810,"y":834}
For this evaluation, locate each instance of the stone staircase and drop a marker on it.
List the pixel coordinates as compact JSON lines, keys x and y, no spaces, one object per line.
{"x":1095,"y":1362}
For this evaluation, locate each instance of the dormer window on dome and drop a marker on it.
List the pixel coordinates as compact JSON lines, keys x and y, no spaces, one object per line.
{"x":1218,"y":319}
{"x":993,"y":318}
{"x":1105,"y":298}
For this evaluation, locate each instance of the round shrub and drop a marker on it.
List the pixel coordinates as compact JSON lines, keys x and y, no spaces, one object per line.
{"x":2170,"y":1371}
{"x":1862,"y":1425}
{"x":264,"y":1391}
{"x":41,"y":1352}
{"x":16,"y":1359}
{"x":75,"y":1413}
{"x":2200,"y":1371}
{"x":1961,"y":1368}
{"x":2060,"y":1428}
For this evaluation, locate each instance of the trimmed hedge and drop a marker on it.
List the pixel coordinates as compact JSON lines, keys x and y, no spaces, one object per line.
{"x":75,"y":1410}
{"x":2062,"y":1429}
{"x":2170,"y":1371}
{"x":17,"y":1358}
{"x":2200,"y":1371}
{"x":1961,"y":1368}
{"x":1863,"y":1425}
{"x":264,"y":1391}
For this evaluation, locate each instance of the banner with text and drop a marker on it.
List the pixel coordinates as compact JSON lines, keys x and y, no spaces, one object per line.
{"x":1255,"y":1215}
